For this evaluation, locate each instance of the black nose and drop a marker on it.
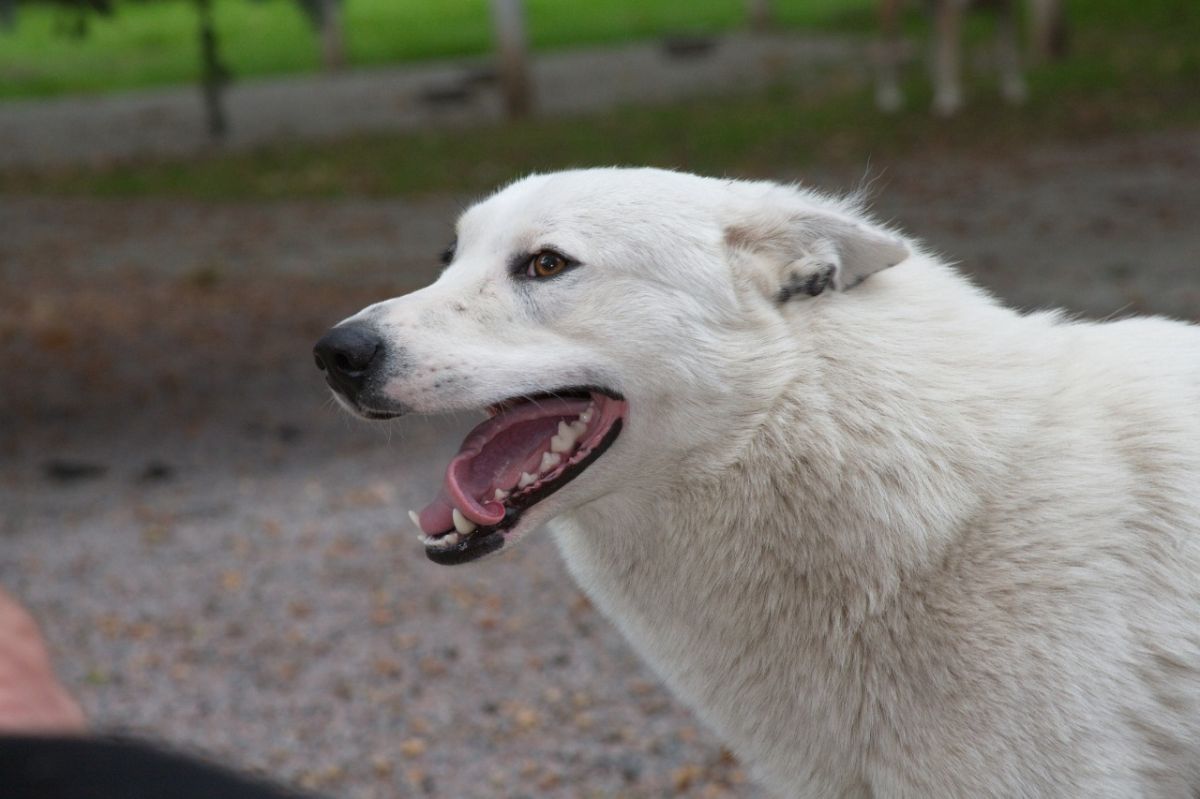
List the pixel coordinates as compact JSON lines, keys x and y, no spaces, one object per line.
{"x":345,"y":354}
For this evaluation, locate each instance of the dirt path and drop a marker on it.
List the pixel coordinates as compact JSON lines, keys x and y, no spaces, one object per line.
{"x":235,"y":573}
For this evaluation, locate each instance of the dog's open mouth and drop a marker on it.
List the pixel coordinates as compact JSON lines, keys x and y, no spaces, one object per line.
{"x":528,"y":449}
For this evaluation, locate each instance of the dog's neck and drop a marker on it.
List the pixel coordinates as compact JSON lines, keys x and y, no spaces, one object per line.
{"x":847,"y":491}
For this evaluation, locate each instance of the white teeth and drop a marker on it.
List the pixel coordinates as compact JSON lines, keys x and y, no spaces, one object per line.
{"x":565,"y":440}
{"x":500,"y":495}
{"x":462,"y":523}
{"x":586,"y":416}
{"x":579,"y":428}
{"x":549,"y":461}
{"x":526,"y":479}
{"x":448,"y":540}
{"x":412,"y":514}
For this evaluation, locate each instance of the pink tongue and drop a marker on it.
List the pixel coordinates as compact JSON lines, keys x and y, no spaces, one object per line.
{"x":438,"y":516}
{"x":493,"y":456}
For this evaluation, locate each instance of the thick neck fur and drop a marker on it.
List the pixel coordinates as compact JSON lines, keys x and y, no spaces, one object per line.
{"x":894,"y":409}
{"x":762,"y":571}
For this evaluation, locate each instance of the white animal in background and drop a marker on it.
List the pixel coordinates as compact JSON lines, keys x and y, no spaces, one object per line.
{"x":1047,"y":33}
{"x":884,"y":535}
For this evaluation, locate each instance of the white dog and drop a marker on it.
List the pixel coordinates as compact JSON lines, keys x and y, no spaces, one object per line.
{"x":887,"y":537}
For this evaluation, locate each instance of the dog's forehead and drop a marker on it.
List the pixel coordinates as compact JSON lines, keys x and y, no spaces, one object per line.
{"x":589,"y":203}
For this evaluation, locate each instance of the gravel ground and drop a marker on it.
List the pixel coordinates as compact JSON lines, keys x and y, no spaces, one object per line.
{"x":221,"y":558}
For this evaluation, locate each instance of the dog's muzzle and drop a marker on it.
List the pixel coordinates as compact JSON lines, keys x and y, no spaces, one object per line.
{"x":347,"y":354}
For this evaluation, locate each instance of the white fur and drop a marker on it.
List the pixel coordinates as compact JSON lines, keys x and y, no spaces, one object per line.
{"x":893,"y":540}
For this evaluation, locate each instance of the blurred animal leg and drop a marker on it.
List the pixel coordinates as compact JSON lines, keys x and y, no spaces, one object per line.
{"x":1047,"y":29}
{"x":888,"y":96}
{"x":1008,"y":50}
{"x":947,"y":57}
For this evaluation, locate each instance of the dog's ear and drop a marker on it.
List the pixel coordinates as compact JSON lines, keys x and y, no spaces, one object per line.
{"x":810,"y":252}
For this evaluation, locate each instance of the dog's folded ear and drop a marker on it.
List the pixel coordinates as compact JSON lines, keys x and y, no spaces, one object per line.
{"x":811,"y":251}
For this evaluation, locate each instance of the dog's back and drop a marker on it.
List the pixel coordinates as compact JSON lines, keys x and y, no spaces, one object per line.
{"x":1087,"y":566}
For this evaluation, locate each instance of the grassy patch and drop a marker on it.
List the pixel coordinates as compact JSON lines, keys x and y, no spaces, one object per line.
{"x":146,"y":44}
{"x":1132,"y":69}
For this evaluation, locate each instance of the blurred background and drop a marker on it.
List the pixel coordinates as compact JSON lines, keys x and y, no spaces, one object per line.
{"x":192,"y":191}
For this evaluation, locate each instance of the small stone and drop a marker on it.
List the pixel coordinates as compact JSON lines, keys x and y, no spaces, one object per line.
{"x":549,"y":781}
{"x":432,"y":667}
{"x":382,"y":765}
{"x":156,"y":472}
{"x":641,"y":687}
{"x":288,"y":433}
{"x":526,"y":718}
{"x":155,"y":534}
{"x":685,"y":776}
{"x":413,"y":747}
{"x":386,"y":667}
{"x":72,"y":471}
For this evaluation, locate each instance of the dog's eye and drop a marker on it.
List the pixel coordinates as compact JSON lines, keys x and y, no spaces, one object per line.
{"x":545,"y":264}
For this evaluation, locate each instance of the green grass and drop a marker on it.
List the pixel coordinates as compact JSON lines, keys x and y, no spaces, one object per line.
{"x":149,"y":43}
{"x":1132,"y":69}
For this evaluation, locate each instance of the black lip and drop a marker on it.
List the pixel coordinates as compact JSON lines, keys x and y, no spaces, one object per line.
{"x":486,"y":540}
{"x":378,"y":415}
{"x":576,"y":392}
{"x":366,"y":413}
{"x":475,"y":546}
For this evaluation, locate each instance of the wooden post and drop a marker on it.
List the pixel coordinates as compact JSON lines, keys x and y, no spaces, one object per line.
{"x":333,"y":36}
{"x":8,"y":14}
{"x":214,"y":76}
{"x":512,"y":52}
{"x":761,"y":14}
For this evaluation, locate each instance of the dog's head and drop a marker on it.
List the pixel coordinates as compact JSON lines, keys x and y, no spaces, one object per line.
{"x":613,"y":323}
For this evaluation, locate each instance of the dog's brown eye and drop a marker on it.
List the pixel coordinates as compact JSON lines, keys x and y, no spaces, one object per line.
{"x":546,"y":264}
